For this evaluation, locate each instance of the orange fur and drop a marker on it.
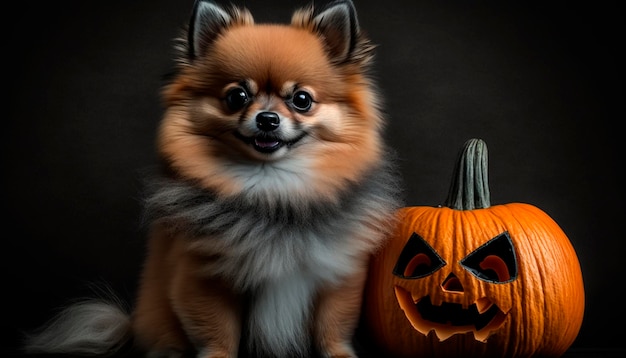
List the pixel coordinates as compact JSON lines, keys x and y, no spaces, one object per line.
{"x":258,"y":55}
{"x":174,"y":291}
{"x":276,"y":188}
{"x":195,"y":139}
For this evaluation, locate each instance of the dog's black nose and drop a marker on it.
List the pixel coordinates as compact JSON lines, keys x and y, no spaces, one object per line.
{"x":267,"y":121}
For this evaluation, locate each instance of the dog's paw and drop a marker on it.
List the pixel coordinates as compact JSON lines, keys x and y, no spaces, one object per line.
{"x":338,"y":351}
{"x":164,"y":354}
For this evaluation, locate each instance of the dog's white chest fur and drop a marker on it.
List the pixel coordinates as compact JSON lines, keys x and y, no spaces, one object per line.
{"x":279,"y":312}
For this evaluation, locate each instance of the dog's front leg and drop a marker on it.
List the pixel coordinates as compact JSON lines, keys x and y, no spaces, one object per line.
{"x":209,"y":311}
{"x":337,"y":315}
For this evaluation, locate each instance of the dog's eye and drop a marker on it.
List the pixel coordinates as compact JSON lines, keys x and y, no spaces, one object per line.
{"x":301,"y":101}
{"x":237,"y":98}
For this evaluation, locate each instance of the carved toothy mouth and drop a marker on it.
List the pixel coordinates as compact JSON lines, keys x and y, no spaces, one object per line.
{"x":481,"y":318}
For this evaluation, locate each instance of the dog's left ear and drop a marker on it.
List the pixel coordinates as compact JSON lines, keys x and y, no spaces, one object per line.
{"x":337,"y":23}
{"x":208,"y":20}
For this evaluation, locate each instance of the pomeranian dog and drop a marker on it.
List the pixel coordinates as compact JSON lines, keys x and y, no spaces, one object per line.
{"x":276,"y":188}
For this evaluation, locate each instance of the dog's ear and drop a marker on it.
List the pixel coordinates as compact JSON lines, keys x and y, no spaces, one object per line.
{"x":208,"y":20}
{"x":338,"y":24}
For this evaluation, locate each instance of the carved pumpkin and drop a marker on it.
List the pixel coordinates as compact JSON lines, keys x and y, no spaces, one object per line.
{"x":473,"y":280}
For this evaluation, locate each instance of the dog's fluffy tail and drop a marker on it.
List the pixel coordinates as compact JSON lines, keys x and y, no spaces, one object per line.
{"x":92,"y":327}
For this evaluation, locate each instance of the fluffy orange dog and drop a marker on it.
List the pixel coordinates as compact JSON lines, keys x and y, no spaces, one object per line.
{"x":276,"y":189}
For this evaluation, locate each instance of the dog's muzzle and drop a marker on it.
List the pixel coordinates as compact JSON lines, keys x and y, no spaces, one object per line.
{"x":268,"y":140}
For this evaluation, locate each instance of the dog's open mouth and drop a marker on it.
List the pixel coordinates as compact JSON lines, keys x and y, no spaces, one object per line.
{"x":267,"y":143}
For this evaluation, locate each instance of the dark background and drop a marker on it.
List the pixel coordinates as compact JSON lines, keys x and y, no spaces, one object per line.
{"x":541,"y":82}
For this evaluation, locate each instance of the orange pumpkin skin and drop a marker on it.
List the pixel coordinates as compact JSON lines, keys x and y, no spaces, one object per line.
{"x":543,"y":307}
{"x":473,"y":280}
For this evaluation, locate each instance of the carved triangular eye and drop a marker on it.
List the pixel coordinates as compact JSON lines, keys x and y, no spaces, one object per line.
{"x":494,"y":261}
{"x":417,"y":259}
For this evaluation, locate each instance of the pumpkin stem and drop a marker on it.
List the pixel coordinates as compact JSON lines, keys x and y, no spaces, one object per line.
{"x":470,"y":186}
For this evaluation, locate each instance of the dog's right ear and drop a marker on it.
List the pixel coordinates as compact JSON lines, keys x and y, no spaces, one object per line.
{"x":208,"y":20}
{"x":338,"y":23}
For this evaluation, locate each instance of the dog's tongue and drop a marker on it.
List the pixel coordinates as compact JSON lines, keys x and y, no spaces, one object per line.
{"x":267,"y":143}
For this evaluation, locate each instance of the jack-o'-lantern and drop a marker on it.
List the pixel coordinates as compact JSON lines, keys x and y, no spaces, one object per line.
{"x":472,"y":280}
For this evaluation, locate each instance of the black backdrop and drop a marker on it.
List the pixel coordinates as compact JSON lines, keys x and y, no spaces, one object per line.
{"x":541,"y":83}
